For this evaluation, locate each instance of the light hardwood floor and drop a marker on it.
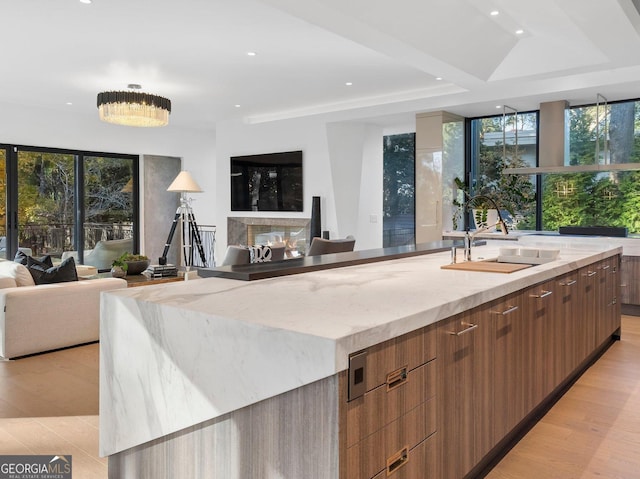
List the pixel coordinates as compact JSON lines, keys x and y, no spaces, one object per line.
{"x":593,"y":431}
{"x":49,"y":405}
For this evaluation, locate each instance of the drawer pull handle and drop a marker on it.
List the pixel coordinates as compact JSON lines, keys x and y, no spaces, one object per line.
{"x":544,"y":294}
{"x":590,"y":273}
{"x":398,"y":460}
{"x":606,"y":266}
{"x":397,"y":378}
{"x":470,"y":327}
{"x":509,"y":310}
{"x":571,"y":282}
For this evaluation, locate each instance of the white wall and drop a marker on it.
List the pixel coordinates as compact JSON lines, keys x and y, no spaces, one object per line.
{"x":342,"y":163}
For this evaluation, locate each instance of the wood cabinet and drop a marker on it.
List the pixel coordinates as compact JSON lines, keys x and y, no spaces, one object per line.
{"x":508,"y":363}
{"x":585,"y":320}
{"x":566,"y":303}
{"x":630,"y":280}
{"x":609,"y":299}
{"x":436,"y":401}
{"x":465,"y":359}
{"x":388,"y":429}
{"x":538,"y":328}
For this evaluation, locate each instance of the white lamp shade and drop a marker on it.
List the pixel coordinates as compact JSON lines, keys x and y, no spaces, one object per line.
{"x":184,"y":183}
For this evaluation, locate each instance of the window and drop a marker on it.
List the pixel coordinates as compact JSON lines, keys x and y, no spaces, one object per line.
{"x":64,"y":200}
{"x":506,"y":141}
{"x":399,"y":184}
{"x":605,"y":198}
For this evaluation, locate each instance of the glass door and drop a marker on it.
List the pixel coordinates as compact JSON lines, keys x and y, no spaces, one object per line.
{"x":108,"y":212}
{"x":46,"y":202}
{"x":62,"y":202}
{"x":3,"y":202}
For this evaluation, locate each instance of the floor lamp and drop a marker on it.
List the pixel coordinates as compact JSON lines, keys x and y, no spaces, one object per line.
{"x":184,"y":184}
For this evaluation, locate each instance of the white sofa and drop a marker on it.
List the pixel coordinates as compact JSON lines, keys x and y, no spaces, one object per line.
{"x":35,"y":319}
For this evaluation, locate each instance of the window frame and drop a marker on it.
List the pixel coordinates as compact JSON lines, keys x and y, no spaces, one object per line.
{"x":11,"y":181}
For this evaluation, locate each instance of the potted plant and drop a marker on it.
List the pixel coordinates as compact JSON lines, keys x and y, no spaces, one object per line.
{"x":135,"y":263}
{"x":119,"y":268}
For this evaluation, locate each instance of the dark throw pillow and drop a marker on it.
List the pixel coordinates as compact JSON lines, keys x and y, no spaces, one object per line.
{"x":22,"y":259}
{"x":44,"y":274}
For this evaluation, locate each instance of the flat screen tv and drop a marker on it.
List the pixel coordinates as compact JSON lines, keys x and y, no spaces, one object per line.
{"x":267,"y":182}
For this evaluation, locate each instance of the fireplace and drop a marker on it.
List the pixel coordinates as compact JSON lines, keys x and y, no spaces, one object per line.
{"x":294,"y":232}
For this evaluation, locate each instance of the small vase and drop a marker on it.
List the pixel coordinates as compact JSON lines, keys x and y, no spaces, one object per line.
{"x":118,"y":272}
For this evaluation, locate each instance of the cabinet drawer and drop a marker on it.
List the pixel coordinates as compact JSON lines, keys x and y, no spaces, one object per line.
{"x":368,"y":457}
{"x":410,"y":350}
{"x":386,"y":403}
{"x":421,"y":463}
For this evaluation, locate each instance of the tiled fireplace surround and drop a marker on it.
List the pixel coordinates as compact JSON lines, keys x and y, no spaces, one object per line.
{"x":247,"y":230}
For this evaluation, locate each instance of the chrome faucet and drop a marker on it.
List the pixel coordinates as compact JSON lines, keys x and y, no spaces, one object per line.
{"x":468,"y":237}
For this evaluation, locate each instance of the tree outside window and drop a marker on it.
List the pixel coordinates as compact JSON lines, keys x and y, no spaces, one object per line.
{"x":399,"y":189}
{"x":609,"y":198}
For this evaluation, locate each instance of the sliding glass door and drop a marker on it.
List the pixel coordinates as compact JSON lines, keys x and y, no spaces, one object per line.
{"x":55,"y":201}
{"x":46,"y":202}
{"x":3,"y":202}
{"x":108,"y":199}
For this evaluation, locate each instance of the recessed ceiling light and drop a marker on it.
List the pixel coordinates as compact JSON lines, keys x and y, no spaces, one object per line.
{"x":69,"y":103}
{"x":520,"y":31}
{"x":251,"y":54}
{"x":237,"y":106}
{"x":494,"y":13}
{"x":498,"y":106}
{"x":86,"y":2}
{"x":438,"y":78}
{"x":348,"y":83}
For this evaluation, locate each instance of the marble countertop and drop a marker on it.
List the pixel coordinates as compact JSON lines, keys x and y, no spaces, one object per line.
{"x":179,"y":354}
{"x":630,"y":245}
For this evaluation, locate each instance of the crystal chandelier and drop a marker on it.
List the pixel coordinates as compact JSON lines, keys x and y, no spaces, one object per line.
{"x":133,"y":108}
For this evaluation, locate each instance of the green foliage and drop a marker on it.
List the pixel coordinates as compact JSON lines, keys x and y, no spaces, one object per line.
{"x":595,"y":199}
{"x":399,"y":174}
{"x":124,"y":259}
{"x":513,"y":193}
{"x":47,"y":203}
{"x":120,"y":263}
{"x":133,"y":257}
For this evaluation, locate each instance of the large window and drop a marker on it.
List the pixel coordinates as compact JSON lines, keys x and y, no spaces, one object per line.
{"x":506,"y":141}
{"x":598,"y":135}
{"x":601,"y":136}
{"x":61,"y":200}
{"x":399,"y":185}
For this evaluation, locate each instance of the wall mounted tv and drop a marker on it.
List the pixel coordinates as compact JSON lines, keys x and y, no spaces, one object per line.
{"x":267,"y":182}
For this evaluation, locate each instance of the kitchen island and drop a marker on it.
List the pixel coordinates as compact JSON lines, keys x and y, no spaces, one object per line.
{"x":222,"y":378}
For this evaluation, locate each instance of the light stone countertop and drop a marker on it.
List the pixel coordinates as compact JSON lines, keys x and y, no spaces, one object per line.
{"x":630,"y":245}
{"x":176,"y":355}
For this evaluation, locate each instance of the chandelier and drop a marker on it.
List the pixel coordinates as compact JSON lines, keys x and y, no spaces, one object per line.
{"x":133,"y":108}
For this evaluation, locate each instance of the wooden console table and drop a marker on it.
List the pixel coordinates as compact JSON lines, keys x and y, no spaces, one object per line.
{"x":141,"y":280}
{"x":135,"y":280}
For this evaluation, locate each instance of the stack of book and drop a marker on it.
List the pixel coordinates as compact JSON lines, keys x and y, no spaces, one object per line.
{"x":160,"y":270}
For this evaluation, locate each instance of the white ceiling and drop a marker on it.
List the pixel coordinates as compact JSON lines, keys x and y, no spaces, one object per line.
{"x":194,"y":52}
